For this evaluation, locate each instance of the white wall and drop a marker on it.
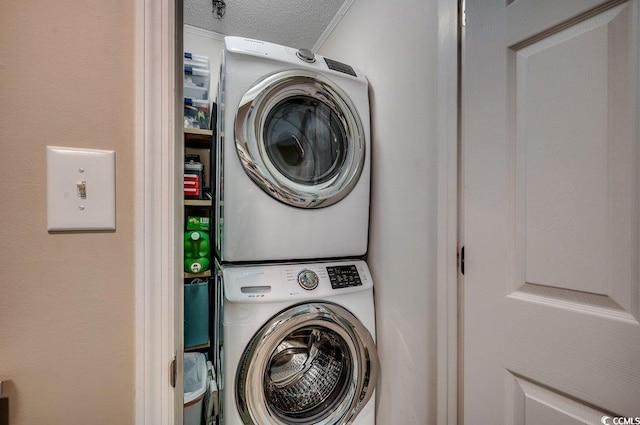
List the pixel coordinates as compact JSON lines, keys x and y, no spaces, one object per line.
{"x":395,"y":45}
{"x":67,"y":299}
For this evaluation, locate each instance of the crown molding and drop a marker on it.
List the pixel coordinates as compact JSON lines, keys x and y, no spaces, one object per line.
{"x":333,"y":24}
{"x":190,"y":29}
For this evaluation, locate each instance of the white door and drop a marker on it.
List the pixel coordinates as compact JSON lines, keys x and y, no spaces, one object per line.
{"x":550,"y":160}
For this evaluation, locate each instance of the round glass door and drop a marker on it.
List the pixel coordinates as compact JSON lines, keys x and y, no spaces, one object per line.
{"x":300,"y":139}
{"x":305,"y":140}
{"x":312,"y":364}
{"x":307,"y":375}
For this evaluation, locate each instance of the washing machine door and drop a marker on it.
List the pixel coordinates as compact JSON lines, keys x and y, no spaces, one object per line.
{"x":300,"y":139}
{"x":314,"y":363}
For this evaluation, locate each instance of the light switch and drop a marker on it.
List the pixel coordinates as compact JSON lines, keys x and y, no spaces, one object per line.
{"x":81,"y":189}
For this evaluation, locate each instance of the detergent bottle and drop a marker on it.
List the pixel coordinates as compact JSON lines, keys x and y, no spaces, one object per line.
{"x":197,"y":251}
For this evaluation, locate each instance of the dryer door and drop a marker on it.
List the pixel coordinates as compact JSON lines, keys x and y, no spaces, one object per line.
{"x":299,"y":137}
{"x":313,"y":363}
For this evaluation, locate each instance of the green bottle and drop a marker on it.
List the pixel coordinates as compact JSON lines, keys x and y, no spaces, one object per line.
{"x":197,"y":251}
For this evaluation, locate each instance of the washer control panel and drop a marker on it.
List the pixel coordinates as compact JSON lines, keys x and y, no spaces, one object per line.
{"x":308,"y":279}
{"x":344,"y":276}
{"x":296,"y":281}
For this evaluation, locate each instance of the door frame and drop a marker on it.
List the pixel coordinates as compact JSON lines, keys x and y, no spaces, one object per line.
{"x":159,"y":215}
{"x":448,"y":348}
{"x":158,"y":212}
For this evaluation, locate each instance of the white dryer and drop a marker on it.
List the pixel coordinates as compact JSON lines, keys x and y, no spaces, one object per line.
{"x":293,"y":155}
{"x":299,"y":344}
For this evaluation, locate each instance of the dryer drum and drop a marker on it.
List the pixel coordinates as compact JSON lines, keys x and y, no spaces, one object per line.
{"x":305,"y":140}
{"x":299,"y":138}
{"x":313,"y":363}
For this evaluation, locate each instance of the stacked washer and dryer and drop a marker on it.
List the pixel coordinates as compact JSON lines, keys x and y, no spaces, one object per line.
{"x":296,"y":333}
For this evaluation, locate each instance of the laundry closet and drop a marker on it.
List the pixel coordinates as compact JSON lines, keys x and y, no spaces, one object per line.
{"x":402,"y":219}
{"x":279,"y":317}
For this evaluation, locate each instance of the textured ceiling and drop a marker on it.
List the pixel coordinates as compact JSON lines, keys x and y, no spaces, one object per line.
{"x":294,"y":23}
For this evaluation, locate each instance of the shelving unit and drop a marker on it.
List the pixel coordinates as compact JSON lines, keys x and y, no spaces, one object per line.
{"x":198,"y":347}
{"x":199,"y":140}
{"x":197,"y":203}
{"x":194,"y":275}
{"x":199,"y":288}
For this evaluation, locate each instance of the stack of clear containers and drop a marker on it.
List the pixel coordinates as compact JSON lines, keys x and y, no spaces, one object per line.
{"x":197,"y":109}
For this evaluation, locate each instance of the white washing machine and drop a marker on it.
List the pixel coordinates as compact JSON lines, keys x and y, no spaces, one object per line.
{"x":299,"y":344}
{"x":293,"y":155}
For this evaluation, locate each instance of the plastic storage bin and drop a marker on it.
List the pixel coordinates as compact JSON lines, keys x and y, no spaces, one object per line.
{"x":195,"y":92}
{"x":198,"y":61}
{"x":193,"y":177}
{"x":194,"y":76}
{"x":196,"y":113}
{"x":196,"y":313}
{"x":195,"y":385}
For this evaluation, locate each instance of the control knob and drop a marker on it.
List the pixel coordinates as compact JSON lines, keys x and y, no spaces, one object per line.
{"x":306,"y":55}
{"x":308,"y":279}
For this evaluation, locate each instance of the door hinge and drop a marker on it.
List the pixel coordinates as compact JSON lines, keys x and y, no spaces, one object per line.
{"x":462,"y":260}
{"x":173,"y":372}
{"x":463,"y":13}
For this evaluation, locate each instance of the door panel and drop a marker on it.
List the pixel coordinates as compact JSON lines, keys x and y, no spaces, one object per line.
{"x":575,"y":159}
{"x":530,"y":19}
{"x":551,"y":193}
{"x":534,"y":404}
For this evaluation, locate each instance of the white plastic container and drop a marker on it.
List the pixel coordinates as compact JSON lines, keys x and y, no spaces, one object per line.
{"x":198,"y":61}
{"x":195,"y":386}
{"x":197,"y":77}
{"x":195,"y":92}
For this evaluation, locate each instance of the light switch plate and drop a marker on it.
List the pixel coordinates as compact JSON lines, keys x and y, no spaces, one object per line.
{"x":81,"y":192}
